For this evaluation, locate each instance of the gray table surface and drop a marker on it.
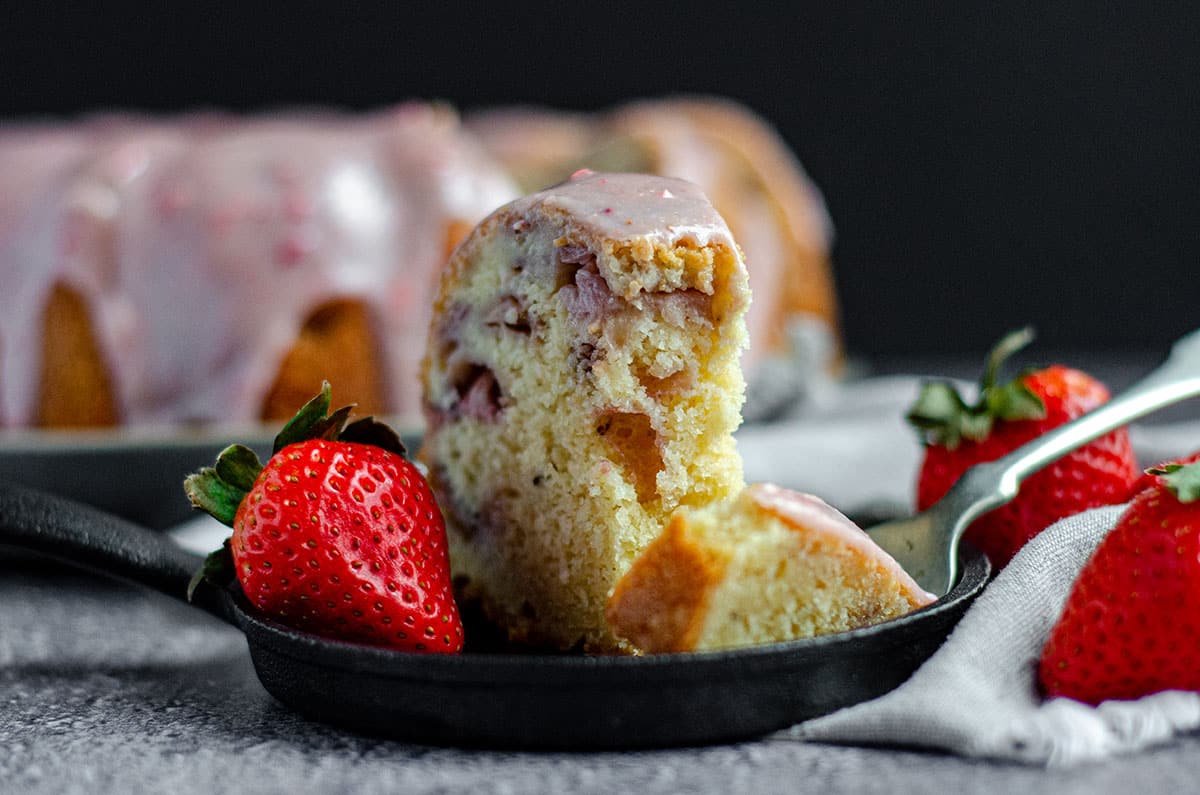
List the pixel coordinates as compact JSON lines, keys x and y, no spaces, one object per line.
{"x":108,"y":688}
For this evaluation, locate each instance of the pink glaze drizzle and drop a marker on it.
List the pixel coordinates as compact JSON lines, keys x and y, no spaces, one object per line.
{"x":816,"y":516}
{"x":202,"y":244}
{"x":628,"y":207}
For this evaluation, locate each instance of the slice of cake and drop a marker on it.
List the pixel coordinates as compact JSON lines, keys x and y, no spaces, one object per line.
{"x":772,"y":565}
{"x":775,"y":211}
{"x":582,"y":382}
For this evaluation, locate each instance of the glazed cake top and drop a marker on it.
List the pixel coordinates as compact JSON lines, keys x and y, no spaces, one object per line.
{"x":626,"y":208}
{"x":230,"y":230}
{"x":813,"y":515}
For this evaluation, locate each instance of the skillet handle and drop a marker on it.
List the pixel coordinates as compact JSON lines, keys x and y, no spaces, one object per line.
{"x":93,"y":539}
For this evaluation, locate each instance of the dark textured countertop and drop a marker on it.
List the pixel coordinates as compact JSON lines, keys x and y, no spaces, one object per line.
{"x":108,"y":688}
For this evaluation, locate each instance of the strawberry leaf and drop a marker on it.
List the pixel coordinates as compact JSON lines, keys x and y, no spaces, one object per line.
{"x":219,"y":490}
{"x":937,"y":405}
{"x":330,"y":428}
{"x":1014,"y":401}
{"x":371,"y":431}
{"x":942,"y":417}
{"x":217,"y":570}
{"x":238,"y":466}
{"x":299,"y":428}
{"x":1009,"y":344}
{"x":1182,"y":480}
{"x":208,"y":492}
{"x":314,"y":421}
{"x":976,"y":426}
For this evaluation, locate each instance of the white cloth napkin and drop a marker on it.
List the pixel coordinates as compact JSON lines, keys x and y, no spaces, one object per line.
{"x":977,"y":695}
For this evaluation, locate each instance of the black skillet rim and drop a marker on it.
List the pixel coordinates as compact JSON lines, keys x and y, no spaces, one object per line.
{"x":517,"y":669}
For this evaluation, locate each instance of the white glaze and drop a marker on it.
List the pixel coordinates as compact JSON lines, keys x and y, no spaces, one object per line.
{"x":788,"y":212}
{"x":814,"y":515}
{"x":624,"y":208}
{"x":201,"y":245}
{"x":35,"y":160}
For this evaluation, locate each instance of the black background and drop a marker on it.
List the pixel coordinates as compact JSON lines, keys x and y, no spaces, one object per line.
{"x":984,"y":167}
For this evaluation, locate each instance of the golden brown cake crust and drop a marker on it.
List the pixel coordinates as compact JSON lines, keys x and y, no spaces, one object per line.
{"x":661,"y":602}
{"x":337,"y":344}
{"x":771,"y":566}
{"x":75,"y":388}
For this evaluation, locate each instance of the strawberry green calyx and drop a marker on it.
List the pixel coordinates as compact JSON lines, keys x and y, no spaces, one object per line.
{"x":219,"y":490}
{"x":942,"y":417}
{"x":313,"y":421}
{"x":1182,"y":480}
{"x":217,"y":569}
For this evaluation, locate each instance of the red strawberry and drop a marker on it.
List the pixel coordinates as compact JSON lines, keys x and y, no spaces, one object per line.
{"x":338,"y":535}
{"x":1007,"y":415}
{"x":1150,"y":476}
{"x":1131,"y":624}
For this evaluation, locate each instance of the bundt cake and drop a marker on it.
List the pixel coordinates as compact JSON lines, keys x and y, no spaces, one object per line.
{"x":582,"y":381}
{"x":752,"y":178}
{"x":212,"y":268}
{"x":148,"y":265}
{"x":771,"y":565}
{"x":34,"y":159}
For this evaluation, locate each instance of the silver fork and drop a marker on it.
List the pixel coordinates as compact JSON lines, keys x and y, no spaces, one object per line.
{"x":926,"y":545}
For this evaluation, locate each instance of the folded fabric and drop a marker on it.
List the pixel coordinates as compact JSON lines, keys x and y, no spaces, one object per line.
{"x":978,"y":695}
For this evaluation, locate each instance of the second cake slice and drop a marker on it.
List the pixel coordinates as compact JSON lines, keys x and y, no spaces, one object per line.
{"x":772,"y":565}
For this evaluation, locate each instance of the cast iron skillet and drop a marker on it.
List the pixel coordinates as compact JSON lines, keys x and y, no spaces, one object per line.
{"x":512,"y":700}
